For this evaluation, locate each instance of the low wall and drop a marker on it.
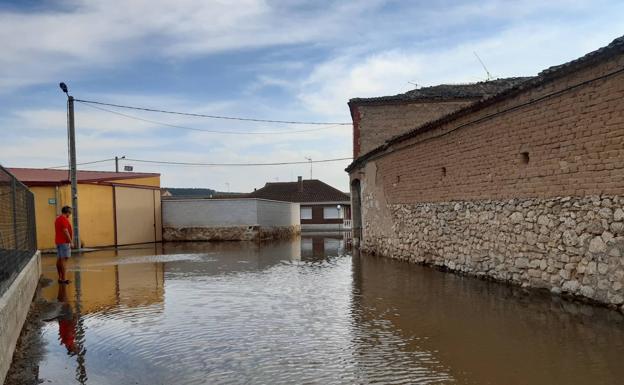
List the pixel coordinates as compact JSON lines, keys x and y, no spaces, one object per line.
{"x":573,"y":246}
{"x":229,"y":219}
{"x":14,"y":305}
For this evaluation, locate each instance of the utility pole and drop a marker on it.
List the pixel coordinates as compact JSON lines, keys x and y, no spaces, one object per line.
{"x":71,"y":133}
{"x":117,"y":162}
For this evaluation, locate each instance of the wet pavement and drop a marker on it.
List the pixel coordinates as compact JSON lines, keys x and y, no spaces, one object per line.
{"x":305,"y":312}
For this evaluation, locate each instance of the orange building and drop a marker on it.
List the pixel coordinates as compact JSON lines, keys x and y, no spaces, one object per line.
{"x":115,"y":208}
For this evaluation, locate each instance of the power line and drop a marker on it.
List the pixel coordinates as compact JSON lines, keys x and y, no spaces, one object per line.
{"x":234,"y":164}
{"x":83,"y":163}
{"x":212,"y":131}
{"x":210,"y":164}
{"x":208,"y":116}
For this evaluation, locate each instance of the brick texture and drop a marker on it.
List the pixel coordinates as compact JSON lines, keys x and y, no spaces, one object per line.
{"x":374,"y":124}
{"x":574,"y":144}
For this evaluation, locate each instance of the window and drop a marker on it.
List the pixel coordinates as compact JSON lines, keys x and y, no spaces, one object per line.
{"x":306,"y":213}
{"x":331,"y":213}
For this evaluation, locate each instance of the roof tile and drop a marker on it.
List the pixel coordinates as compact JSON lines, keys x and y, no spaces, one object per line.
{"x":447,"y":91}
{"x":52,"y":176}
{"x":311,"y":190}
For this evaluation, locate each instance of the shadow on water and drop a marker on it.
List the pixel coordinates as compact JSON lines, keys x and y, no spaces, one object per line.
{"x":306,"y":311}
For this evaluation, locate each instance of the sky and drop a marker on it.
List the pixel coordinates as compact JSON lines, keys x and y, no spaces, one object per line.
{"x":276,"y":60}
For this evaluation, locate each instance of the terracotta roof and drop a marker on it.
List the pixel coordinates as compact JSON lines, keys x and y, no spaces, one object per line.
{"x":35,"y":176}
{"x":312,"y":190}
{"x":616,"y":47}
{"x":447,"y":92}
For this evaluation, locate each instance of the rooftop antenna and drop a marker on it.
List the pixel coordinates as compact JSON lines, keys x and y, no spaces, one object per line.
{"x":309,"y":158}
{"x":489,"y":76}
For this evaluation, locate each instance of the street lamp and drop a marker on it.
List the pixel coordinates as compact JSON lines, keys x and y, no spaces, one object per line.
{"x":71,"y":134}
{"x":117,"y":158}
{"x":339,"y":208}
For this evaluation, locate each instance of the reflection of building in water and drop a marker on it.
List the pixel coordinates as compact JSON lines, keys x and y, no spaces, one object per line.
{"x":321,"y":246}
{"x":490,"y":332}
{"x":103,"y":284}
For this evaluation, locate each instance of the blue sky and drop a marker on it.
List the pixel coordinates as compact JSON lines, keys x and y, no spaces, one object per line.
{"x":284,"y":60}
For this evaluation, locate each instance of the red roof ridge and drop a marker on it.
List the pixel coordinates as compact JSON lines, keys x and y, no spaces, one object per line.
{"x":49,"y":176}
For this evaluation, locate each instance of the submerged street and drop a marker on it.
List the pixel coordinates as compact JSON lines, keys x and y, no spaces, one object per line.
{"x":307,"y":311}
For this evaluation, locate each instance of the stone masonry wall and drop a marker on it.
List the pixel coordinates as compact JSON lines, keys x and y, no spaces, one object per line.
{"x":230,"y":233}
{"x":527,"y":190}
{"x":566,"y":245}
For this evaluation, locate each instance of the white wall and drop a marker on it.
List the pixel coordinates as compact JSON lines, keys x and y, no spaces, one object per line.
{"x":274,"y":213}
{"x":181,"y":213}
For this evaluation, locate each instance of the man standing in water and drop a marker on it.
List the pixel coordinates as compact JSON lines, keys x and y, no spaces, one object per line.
{"x":63,"y":239}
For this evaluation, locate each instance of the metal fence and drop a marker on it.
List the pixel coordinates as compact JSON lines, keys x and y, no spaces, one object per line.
{"x":18,"y":236}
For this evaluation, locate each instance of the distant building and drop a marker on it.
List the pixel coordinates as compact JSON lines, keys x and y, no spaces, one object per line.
{"x":115,"y":208}
{"x":323,"y":207}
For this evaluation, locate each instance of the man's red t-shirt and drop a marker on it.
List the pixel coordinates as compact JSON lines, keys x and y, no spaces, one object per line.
{"x":67,"y":332}
{"x":60,"y":224}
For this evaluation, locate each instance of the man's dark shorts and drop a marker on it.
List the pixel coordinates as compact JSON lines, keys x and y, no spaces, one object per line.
{"x":63,"y":250}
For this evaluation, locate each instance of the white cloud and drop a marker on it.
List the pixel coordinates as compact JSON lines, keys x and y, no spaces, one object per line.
{"x":519,"y":50}
{"x":96,"y":34}
{"x":360,"y":49}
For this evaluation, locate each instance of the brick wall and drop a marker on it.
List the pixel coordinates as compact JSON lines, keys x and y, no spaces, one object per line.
{"x":570,"y":144}
{"x":528,"y":190}
{"x":374,"y":124}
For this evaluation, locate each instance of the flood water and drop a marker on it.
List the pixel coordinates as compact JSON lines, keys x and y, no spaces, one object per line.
{"x":309,"y":312}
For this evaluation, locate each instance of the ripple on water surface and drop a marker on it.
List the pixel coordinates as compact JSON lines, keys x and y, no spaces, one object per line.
{"x":283,"y":313}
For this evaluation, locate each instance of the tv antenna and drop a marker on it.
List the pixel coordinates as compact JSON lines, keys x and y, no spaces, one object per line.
{"x":489,"y":76}
{"x":309,"y":158}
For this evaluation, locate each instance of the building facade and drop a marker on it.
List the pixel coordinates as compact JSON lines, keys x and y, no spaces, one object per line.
{"x":525,"y":186}
{"x":114,"y":208}
{"x":378,"y":119}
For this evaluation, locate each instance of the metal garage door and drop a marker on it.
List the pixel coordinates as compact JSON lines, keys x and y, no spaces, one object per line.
{"x":137,"y":215}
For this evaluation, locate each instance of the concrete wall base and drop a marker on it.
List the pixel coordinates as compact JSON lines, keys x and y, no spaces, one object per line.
{"x":14,"y":306}
{"x":232,"y":233}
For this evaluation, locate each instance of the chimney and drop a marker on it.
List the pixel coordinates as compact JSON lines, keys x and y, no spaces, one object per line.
{"x":300,"y":181}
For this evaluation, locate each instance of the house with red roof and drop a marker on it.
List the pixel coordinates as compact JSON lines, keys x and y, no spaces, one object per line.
{"x":322,"y":206}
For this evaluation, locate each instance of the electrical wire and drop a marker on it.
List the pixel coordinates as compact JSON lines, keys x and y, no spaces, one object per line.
{"x":211,"y":131}
{"x":234,"y":164}
{"x":210,"y":164}
{"x":208,"y":116}
{"x":83,"y":163}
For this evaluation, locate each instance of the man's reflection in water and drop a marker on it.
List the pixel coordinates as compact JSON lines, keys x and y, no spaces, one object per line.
{"x":71,"y":333}
{"x":67,"y":322}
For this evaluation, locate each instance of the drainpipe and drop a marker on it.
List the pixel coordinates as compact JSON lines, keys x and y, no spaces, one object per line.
{"x":56,"y":201}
